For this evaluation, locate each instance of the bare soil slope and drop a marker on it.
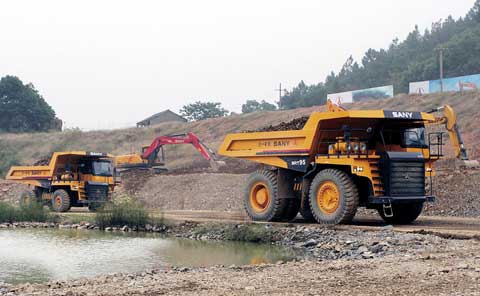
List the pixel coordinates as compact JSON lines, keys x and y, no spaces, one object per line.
{"x":31,"y":147}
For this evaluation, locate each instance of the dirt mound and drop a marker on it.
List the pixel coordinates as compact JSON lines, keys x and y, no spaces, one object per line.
{"x":457,"y":194}
{"x":192,"y":192}
{"x":294,"y":124}
{"x":10,"y":191}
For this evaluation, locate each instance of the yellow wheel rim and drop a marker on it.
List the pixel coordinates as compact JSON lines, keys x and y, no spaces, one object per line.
{"x":328,"y":197}
{"x":259,"y":197}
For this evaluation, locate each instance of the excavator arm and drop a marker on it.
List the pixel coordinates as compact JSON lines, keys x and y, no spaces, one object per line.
{"x":450,"y":120}
{"x":147,"y":159}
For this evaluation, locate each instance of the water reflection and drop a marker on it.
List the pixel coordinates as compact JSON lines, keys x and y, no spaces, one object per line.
{"x":37,"y":255}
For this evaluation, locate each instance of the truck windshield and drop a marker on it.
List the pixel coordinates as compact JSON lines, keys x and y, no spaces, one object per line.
{"x":415,"y":137}
{"x":102,"y":168}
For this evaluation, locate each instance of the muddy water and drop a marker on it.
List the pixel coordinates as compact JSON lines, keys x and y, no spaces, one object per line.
{"x":37,"y":255}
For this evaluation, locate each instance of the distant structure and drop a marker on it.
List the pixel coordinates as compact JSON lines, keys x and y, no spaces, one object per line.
{"x":164,"y":116}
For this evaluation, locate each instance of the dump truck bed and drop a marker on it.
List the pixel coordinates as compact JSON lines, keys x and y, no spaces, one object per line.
{"x":275,"y":148}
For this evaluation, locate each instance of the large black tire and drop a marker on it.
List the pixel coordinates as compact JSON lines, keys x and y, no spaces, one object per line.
{"x":27,"y":197}
{"x":60,"y":201}
{"x":403,"y":213}
{"x":340,"y":208}
{"x":291,"y":211}
{"x":264,"y":183}
{"x":95,"y":206}
{"x":305,"y":210}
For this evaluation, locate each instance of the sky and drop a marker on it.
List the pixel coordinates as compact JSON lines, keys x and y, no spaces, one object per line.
{"x":108,"y":64}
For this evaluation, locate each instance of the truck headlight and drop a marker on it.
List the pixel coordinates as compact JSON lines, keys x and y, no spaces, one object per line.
{"x":356,"y":147}
{"x":363,"y":147}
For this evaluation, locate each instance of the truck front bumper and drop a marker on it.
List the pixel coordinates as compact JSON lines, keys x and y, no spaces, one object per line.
{"x":380,"y":200}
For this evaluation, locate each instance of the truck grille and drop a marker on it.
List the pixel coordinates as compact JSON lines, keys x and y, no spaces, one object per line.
{"x":407,"y":178}
{"x":403,"y":174}
{"x":97,"y":191}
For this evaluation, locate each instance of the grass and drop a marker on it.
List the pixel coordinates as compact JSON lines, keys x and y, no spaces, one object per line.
{"x":32,"y":212}
{"x":122,"y":212}
{"x":240,"y":233}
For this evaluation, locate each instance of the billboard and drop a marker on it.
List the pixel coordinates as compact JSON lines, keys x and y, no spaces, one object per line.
{"x":461,"y":83}
{"x":380,"y":92}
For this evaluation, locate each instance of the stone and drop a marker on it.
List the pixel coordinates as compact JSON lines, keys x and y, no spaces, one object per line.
{"x":310,"y":243}
{"x":249,"y":288}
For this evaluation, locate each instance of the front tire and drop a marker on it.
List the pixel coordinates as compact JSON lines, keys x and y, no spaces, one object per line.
{"x":261,"y":199}
{"x":60,"y":201}
{"x":403,"y":213}
{"x":28,"y":197}
{"x":333,"y":197}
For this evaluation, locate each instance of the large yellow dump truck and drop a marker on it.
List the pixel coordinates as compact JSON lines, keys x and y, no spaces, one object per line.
{"x":341,"y":160}
{"x":77,"y":178}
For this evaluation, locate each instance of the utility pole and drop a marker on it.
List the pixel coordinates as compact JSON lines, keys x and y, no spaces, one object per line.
{"x":280,"y":90}
{"x":440,"y":61}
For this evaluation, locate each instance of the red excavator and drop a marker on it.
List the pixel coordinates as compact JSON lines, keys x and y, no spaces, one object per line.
{"x":153,"y":156}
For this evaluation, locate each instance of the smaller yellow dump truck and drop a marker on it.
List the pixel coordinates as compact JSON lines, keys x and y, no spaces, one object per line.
{"x":71,"y":179}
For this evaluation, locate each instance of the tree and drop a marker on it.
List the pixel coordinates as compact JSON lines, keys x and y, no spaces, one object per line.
{"x":22,"y":108}
{"x":253,"y":106}
{"x":203,"y":110}
{"x":413,"y":59}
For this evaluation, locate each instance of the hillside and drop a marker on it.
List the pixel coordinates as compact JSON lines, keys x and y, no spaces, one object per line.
{"x":31,"y":147}
{"x":185,"y":186}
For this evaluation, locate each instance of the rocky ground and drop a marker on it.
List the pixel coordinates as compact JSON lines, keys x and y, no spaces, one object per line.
{"x":333,"y":262}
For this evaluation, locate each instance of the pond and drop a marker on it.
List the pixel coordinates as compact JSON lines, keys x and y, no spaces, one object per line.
{"x":38,"y":255}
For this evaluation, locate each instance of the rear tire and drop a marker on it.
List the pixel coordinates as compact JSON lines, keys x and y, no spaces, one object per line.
{"x":404,"y":213}
{"x":292,"y":209}
{"x":261,"y":199}
{"x":95,"y":206}
{"x":333,"y":197}
{"x":305,"y":210}
{"x":27,"y":197}
{"x":60,"y":201}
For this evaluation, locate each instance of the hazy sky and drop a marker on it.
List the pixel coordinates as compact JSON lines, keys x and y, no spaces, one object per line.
{"x":107,"y":64}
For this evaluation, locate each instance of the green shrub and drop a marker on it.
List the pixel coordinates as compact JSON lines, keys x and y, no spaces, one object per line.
{"x":8,"y":157}
{"x":32,"y":212}
{"x":125,"y":212}
{"x":248,"y":233}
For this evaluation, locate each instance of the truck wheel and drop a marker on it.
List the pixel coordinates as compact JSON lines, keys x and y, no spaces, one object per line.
{"x":403,"y":213}
{"x":305,"y":210}
{"x":95,"y":206}
{"x":333,"y":197}
{"x":291,"y":210}
{"x":27,"y":197}
{"x":60,"y":201}
{"x":261,"y":197}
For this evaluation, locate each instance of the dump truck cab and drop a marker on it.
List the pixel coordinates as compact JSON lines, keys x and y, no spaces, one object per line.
{"x":340,"y":160}
{"x":77,"y":178}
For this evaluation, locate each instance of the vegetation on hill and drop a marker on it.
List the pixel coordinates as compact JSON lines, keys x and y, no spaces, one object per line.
{"x":23,"y":109}
{"x":414,"y":59}
{"x":254,"y":105}
{"x":203,"y":110}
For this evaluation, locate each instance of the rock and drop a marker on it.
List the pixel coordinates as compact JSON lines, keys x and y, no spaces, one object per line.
{"x":249,"y":288}
{"x":310,"y":243}
{"x":108,"y":229}
{"x":367,"y":255}
{"x":148,"y":227}
{"x":463,"y":266}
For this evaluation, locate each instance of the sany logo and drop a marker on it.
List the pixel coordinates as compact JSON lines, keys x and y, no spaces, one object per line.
{"x":408,"y":115}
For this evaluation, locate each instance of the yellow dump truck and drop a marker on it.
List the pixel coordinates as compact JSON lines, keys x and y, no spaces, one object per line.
{"x":344,"y":159}
{"x":76,"y":178}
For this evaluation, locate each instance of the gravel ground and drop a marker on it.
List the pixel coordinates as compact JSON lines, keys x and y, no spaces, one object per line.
{"x":336,"y":262}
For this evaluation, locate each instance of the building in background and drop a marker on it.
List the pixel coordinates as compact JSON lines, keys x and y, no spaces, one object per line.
{"x":381,"y":92}
{"x":164,"y":116}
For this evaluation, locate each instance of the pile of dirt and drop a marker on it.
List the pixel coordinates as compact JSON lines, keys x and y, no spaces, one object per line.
{"x":294,"y":124}
{"x":457,"y":194}
{"x":10,"y":191}
{"x":191,"y":192}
